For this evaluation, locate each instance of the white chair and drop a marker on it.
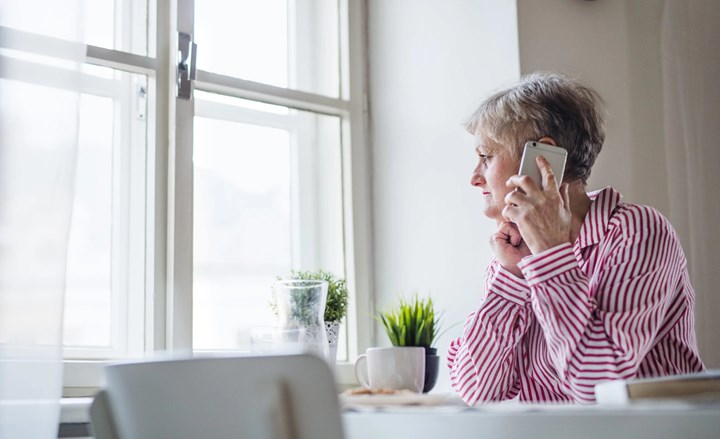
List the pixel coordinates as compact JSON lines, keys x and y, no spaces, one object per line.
{"x":272,"y":397}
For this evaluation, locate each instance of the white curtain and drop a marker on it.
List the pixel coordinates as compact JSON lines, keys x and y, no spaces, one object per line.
{"x":41,"y":52}
{"x":690,"y":51}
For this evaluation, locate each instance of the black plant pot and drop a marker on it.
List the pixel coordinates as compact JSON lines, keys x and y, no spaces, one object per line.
{"x":432,"y":363}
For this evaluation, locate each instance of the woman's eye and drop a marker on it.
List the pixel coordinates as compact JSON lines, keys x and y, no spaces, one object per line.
{"x":484,"y":158}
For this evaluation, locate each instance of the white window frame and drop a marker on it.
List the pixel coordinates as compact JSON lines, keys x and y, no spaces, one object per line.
{"x":128,"y":209}
{"x":297,"y":125}
{"x":168,"y":241}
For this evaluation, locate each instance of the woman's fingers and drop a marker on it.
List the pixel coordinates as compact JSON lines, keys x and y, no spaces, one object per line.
{"x":565,"y":194}
{"x":522,"y":182}
{"x":508,"y":213}
{"x":548,"y":177}
{"x":508,"y":233}
{"x":529,"y":186}
{"x":517,"y":198}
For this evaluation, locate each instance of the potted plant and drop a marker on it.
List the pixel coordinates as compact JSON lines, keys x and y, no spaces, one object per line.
{"x":335,"y":307}
{"x":415,"y":323}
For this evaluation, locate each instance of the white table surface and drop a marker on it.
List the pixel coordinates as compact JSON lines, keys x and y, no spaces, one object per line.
{"x":659,"y":420}
{"x":454,"y":420}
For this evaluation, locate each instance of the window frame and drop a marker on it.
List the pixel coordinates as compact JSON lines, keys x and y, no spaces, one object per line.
{"x":168,"y":239}
{"x":128,"y":231}
{"x":306,"y":219}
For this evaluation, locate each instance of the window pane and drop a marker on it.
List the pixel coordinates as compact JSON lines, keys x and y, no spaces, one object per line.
{"x":239,"y":102}
{"x":267,"y":198}
{"x":242,"y":226}
{"x":100,"y":23}
{"x":88,"y":311}
{"x":106,"y":260}
{"x":117,"y":24}
{"x":291,"y":44}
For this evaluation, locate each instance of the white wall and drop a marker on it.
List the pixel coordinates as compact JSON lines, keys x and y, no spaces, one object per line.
{"x":614,"y":45}
{"x":431,"y":63}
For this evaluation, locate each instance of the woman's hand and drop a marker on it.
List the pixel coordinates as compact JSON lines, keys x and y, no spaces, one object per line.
{"x":542,"y":215}
{"x":509,"y":247}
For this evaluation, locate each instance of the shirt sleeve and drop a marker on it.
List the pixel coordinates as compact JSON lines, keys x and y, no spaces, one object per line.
{"x":600,"y":328}
{"x":482,"y":362}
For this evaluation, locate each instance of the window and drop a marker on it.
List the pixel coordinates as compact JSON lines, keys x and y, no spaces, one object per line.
{"x":105,"y":289}
{"x":187,"y":209}
{"x":104,"y":281}
{"x":267,"y":197}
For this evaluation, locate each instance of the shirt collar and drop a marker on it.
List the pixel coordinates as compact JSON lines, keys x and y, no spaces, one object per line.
{"x":597,"y":219}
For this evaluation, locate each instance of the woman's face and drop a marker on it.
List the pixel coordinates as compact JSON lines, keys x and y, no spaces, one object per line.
{"x":495,"y":166}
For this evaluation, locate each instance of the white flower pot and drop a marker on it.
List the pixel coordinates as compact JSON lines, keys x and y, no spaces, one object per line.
{"x":333,"y":331}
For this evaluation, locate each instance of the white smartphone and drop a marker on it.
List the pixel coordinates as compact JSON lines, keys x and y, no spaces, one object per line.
{"x":556,"y":156}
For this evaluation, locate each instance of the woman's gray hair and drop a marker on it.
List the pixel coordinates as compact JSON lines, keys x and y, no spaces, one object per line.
{"x":546,"y":104}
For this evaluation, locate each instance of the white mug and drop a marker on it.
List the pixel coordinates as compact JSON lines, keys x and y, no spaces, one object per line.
{"x":395,"y":368}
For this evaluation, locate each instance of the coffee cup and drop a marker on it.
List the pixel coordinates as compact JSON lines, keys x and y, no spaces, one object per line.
{"x":396,"y":368}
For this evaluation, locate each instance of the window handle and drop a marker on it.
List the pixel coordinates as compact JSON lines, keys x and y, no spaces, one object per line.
{"x":186,"y":68}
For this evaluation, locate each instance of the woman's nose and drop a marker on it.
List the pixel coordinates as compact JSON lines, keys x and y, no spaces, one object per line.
{"x":477,"y":180}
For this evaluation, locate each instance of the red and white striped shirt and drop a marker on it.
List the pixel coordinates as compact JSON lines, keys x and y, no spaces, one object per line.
{"x":617,"y":304}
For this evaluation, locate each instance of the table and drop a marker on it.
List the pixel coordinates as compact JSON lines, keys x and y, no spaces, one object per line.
{"x":660,"y":420}
{"x":453,"y":420}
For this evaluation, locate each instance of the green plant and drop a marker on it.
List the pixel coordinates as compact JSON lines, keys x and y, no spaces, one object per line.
{"x":412,"y":323}
{"x":337,"y":297}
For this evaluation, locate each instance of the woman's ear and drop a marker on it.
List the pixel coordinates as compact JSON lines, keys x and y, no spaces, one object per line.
{"x":547,"y":140}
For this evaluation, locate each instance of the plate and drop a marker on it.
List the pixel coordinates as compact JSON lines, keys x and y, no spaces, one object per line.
{"x":405,"y":399}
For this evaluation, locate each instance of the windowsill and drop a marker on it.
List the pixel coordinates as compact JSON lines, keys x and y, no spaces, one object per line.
{"x":75,"y":410}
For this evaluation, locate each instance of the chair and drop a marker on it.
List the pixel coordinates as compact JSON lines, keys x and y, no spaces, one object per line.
{"x":271,"y":397}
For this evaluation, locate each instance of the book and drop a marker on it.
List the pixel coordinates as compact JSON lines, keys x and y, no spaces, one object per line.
{"x":700,"y":387}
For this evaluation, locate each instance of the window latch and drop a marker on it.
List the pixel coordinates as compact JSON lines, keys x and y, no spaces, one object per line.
{"x":186,"y":68}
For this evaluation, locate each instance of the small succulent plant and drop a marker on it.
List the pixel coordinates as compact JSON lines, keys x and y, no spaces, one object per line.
{"x":412,"y":323}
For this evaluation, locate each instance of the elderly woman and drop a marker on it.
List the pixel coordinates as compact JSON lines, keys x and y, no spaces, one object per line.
{"x":583,"y":288}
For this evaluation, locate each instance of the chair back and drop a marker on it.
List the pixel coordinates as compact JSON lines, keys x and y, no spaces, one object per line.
{"x":269,"y":397}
